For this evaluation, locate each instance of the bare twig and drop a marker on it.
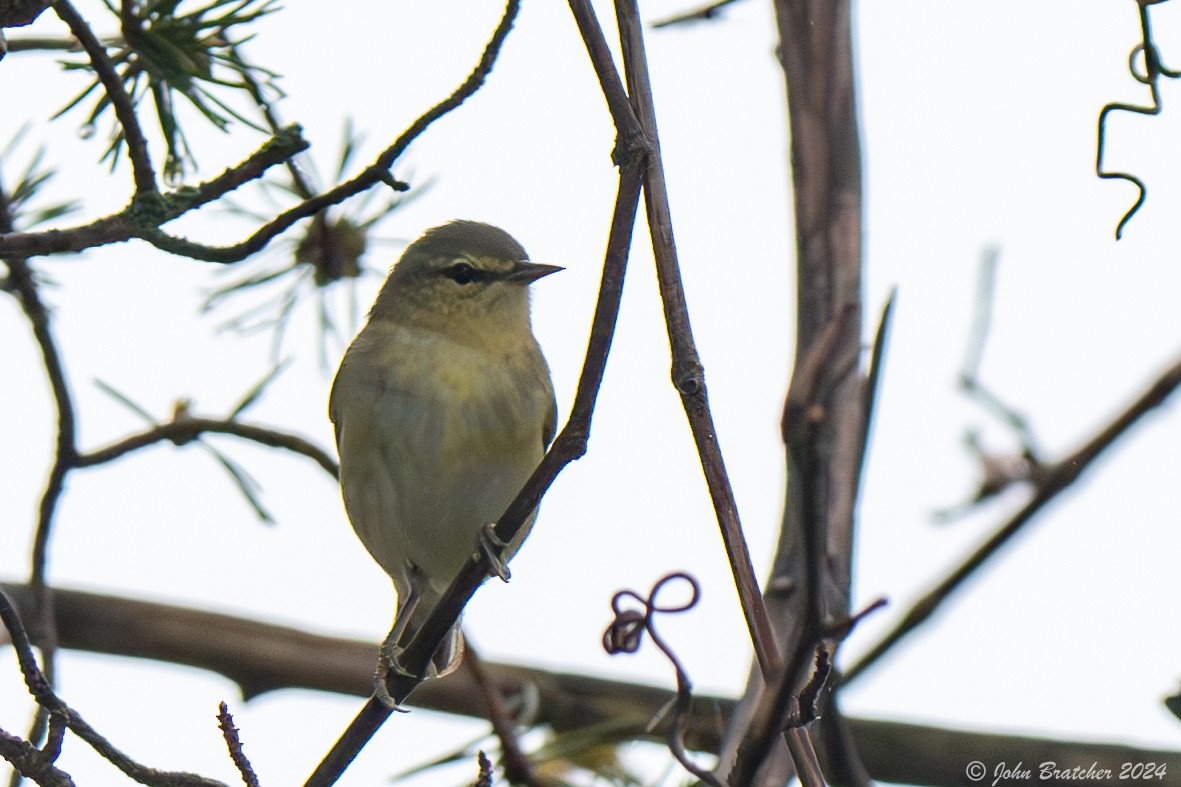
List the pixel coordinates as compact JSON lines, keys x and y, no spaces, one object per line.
{"x":484,"y":774}
{"x":688,"y":376}
{"x":22,"y":282}
{"x":518,"y":769}
{"x":225,"y":722}
{"x":43,"y":693}
{"x":186,"y":429}
{"x":298,"y":180}
{"x":137,"y":144}
{"x":1056,"y":479}
{"x":31,"y":763}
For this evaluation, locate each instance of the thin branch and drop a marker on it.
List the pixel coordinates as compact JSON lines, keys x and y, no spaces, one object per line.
{"x":298,"y":180}
{"x":1057,"y":479}
{"x":518,"y":769}
{"x":630,"y":142}
{"x":187,"y":429}
{"x":43,"y":693}
{"x":130,"y":222}
{"x":31,"y":763}
{"x":568,"y":446}
{"x":137,"y":144}
{"x":229,"y":732}
{"x":426,"y":640}
{"x":23,"y":283}
{"x":688,"y":375}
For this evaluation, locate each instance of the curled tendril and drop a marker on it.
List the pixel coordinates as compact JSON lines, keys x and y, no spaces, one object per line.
{"x":1150,"y":76}
{"x":626,"y":634}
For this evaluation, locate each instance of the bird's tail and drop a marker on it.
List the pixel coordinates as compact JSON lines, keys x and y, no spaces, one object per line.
{"x":447,"y":657}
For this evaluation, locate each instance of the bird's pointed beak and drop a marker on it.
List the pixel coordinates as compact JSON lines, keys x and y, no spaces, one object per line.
{"x":529,"y":272}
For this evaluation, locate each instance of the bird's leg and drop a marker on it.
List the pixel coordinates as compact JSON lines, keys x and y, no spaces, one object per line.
{"x":390,"y":650}
{"x":491,"y":549}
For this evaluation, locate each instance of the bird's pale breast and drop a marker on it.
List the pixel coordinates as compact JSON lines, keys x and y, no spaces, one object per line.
{"x":435,"y":439}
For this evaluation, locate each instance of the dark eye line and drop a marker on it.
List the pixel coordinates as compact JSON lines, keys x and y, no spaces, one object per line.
{"x":465,"y":273}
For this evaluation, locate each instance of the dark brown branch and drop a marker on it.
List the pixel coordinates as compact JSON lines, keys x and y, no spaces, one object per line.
{"x":31,"y":763}
{"x":137,"y":144}
{"x":133,"y":221}
{"x":688,"y":376}
{"x":629,"y":136}
{"x":1058,"y":478}
{"x":824,"y":416}
{"x":23,"y":284}
{"x":188,"y":429}
{"x":230,"y":733}
{"x":261,"y":657}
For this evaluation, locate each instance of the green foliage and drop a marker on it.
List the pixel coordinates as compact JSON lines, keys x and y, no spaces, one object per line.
{"x":23,"y":193}
{"x":164,"y":54}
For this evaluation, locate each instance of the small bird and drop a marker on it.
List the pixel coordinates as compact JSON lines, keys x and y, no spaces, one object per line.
{"x":443,"y":407}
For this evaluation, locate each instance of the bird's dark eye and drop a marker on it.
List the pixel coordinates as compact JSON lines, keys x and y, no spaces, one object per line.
{"x":462,"y":273}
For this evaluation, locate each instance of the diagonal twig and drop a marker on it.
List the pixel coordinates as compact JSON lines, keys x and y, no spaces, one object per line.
{"x":1057,"y":478}
{"x":43,"y":693}
{"x":518,"y":768}
{"x":234,"y":743}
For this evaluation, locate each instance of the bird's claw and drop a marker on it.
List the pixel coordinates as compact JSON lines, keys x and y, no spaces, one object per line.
{"x":387,"y":662}
{"x":491,"y":547}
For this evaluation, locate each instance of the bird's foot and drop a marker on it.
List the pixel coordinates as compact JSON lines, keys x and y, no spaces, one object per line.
{"x":387,"y":662}
{"x":491,"y":548}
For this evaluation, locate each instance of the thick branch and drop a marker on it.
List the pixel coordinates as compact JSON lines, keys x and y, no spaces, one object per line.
{"x":824,"y":414}
{"x":260,"y":657}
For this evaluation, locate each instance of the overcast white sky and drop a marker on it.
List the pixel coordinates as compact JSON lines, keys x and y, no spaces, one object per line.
{"x":978,"y":121}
